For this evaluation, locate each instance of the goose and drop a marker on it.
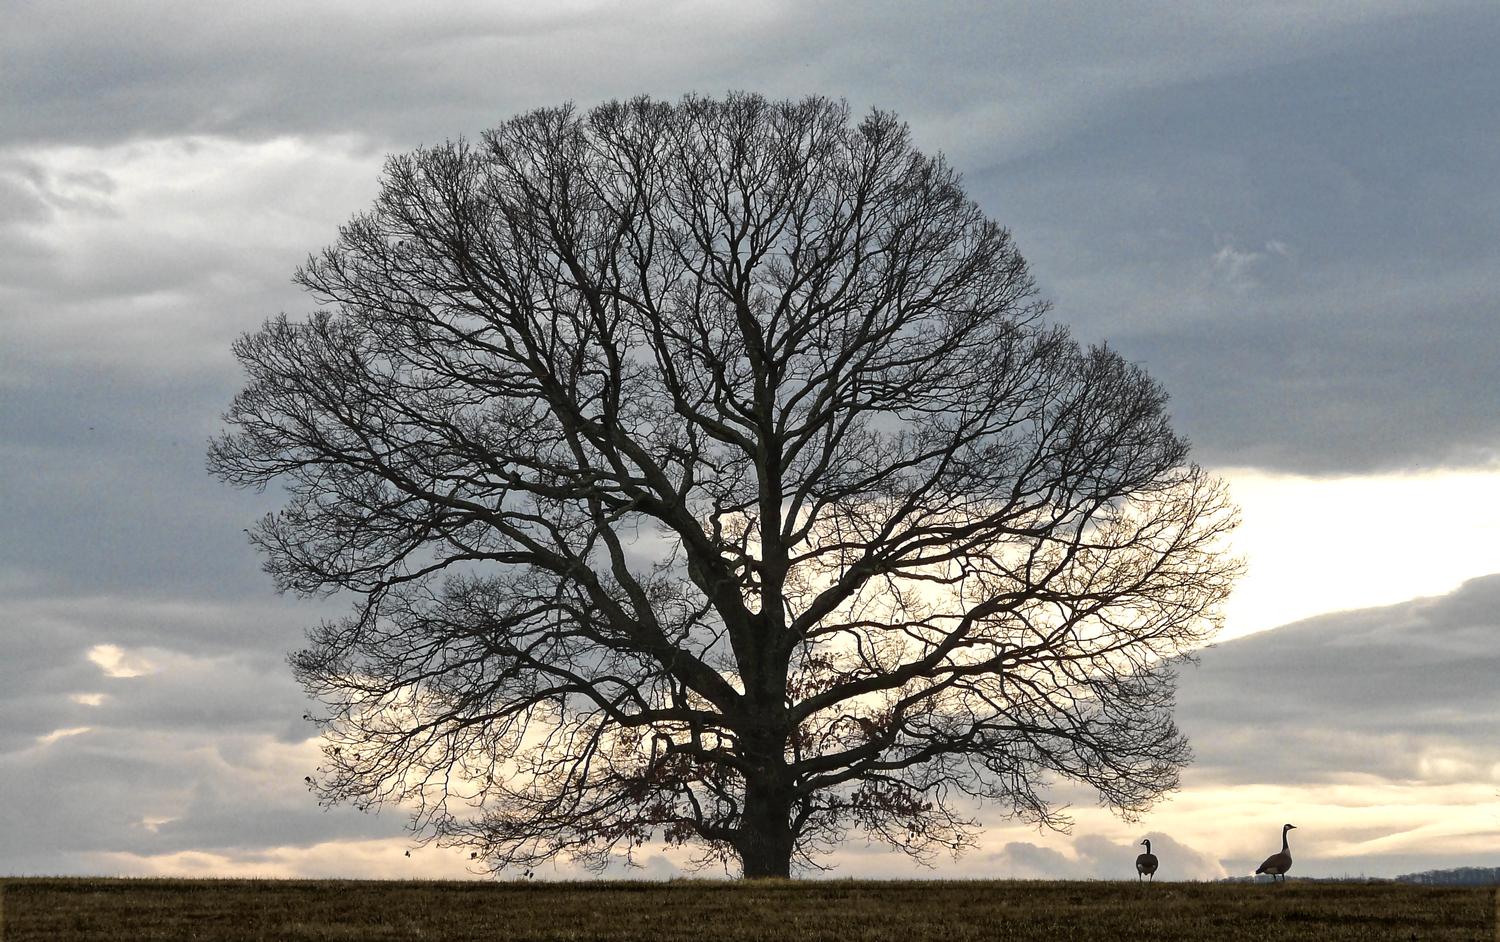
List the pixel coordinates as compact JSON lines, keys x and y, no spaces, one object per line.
{"x":1278,"y":864}
{"x":1145,"y":864}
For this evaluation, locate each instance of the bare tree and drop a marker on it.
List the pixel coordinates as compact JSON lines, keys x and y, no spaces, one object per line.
{"x":706,"y":473}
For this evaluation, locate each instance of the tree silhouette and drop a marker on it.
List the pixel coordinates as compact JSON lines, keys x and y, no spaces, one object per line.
{"x":705,"y":472}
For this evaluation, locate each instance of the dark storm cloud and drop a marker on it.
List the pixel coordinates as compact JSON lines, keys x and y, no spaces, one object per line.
{"x":1381,"y":378}
{"x":106,"y":490}
{"x":1304,"y":252}
{"x":1401,"y":693}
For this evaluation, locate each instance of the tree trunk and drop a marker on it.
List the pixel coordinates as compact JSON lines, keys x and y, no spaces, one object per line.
{"x":765,"y":839}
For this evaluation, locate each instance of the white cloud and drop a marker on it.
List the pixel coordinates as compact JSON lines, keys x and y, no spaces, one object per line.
{"x":115,"y":661}
{"x":1242,"y":270}
{"x":58,"y":734}
{"x":1236,"y":266}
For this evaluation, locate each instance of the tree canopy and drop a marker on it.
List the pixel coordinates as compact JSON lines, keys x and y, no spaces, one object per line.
{"x":708,"y":472}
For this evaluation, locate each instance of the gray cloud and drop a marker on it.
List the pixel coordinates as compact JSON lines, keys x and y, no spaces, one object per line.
{"x":396,"y":72}
{"x":1302,"y":251}
{"x":1401,"y":693}
{"x":163,"y":791}
{"x":1097,"y":858}
{"x":150,"y":726}
{"x":1290,"y":216}
{"x":149,"y":665}
{"x":202,"y":749}
{"x":404,"y":74}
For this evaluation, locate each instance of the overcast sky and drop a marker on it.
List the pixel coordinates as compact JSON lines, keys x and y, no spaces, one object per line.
{"x":1289,"y":212}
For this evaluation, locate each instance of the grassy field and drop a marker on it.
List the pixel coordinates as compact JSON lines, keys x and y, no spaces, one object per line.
{"x":58,"y":910}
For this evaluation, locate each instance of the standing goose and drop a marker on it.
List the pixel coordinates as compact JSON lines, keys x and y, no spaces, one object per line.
{"x":1145,"y":864}
{"x":1278,"y":864}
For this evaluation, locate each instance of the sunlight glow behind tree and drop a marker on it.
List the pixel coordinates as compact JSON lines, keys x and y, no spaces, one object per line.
{"x":707,"y":472}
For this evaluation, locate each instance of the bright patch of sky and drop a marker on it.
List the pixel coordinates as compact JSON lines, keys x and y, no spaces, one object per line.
{"x":1320,"y":545}
{"x":57,"y":734}
{"x":116,"y":662}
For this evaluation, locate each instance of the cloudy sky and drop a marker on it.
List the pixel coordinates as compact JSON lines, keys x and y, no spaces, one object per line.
{"x":1289,"y":212}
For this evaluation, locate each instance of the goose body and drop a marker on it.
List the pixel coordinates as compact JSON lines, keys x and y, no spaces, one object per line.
{"x":1145,"y":864}
{"x":1277,"y":865}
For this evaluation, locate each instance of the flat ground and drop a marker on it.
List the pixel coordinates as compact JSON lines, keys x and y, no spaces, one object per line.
{"x":59,"y":910}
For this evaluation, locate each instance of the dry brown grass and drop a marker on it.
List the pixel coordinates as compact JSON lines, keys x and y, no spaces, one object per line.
{"x":62,"y":910}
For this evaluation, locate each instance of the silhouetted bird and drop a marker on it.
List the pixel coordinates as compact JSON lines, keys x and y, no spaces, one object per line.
{"x":1277,"y":865}
{"x":1145,"y":864}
